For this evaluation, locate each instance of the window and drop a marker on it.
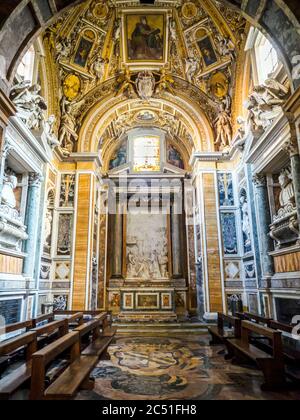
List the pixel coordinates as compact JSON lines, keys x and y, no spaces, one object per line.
{"x":146,"y":154}
{"x":26,"y":67}
{"x":266,"y":58}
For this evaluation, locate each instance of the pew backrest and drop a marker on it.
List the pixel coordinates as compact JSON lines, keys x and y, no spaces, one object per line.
{"x":28,"y":340}
{"x":61,"y":326}
{"x":42,"y":319}
{"x":273,"y":335}
{"x":25,"y":325}
{"x":42,"y":358}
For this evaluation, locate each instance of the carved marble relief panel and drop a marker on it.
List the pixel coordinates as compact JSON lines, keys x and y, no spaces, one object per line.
{"x":147,"y":247}
{"x":229,"y":231}
{"x":67,"y":190}
{"x":226,"y":192}
{"x":64,"y":238}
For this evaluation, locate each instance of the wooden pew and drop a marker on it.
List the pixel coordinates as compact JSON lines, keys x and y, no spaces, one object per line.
{"x":25,"y":325}
{"x":220,"y":333}
{"x":93,"y":342}
{"x":14,"y":380}
{"x":107,"y":329}
{"x":41,"y":319}
{"x":46,"y":333}
{"x":75,"y":377}
{"x":257,"y":319}
{"x":272,"y":365}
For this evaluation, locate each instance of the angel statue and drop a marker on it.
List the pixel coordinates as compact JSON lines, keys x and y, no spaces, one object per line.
{"x":29,"y":103}
{"x":165,"y":83}
{"x":67,"y":135}
{"x":97,"y":67}
{"x":48,"y":133}
{"x":125,"y":84}
{"x":191,"y":68}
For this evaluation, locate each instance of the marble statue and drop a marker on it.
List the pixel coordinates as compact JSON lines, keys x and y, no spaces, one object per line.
{"x":97,"y":67}
{"x":223,"y":128}
{"x":48,"y":228}
{"x":145,"y":85}
{"x":29,"y":103}
{"x":191,"y":68}
{"x":226,"y":48}
{"x":173,"y":32}
{"x":48,"y":132}
{"x":245,"y":220}
{"x":63,"y":48}
{"x":67,"y":135}
{"x":264,"y":103}
{"x":287,"y":194}
{"x":241,"y":137}
{"x":116,"y":37}
{"x":8,"y":196}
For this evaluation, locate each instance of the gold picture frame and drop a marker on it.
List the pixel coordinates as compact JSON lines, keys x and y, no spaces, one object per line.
{"x":145,"y":37}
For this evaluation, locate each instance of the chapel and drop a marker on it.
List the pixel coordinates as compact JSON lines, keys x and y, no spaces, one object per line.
{"x":149,"y":199}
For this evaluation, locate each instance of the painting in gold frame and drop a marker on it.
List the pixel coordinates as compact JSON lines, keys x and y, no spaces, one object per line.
{"x":145,"y":37}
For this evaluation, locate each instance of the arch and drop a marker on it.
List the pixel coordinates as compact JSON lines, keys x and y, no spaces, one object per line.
{"x":103,"y":112}
{"x":33,"y":17}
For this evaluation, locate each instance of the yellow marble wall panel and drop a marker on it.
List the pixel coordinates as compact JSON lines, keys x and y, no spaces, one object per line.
{"x":212,"y":244}
{"x":82,"y":241}
{"x":287,"y":263}
{"x":10,"y":265}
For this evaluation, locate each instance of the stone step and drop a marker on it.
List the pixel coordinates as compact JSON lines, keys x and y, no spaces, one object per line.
{"x":140,"y":328}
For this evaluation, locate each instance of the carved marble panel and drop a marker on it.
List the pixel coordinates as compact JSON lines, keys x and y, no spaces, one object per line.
{"x":230,"y":243}
{"x":67,"y":190}
{"x":64,"y":239}
{"x":226,"y":192}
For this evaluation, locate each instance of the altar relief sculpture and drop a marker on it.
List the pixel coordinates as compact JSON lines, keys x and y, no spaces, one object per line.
{"x":147,"y":247}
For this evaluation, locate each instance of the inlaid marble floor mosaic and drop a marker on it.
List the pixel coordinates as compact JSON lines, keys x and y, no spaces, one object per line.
{"x":174,"y":368}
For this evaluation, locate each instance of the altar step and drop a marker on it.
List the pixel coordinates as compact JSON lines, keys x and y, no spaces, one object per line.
{"x":160,"y":329}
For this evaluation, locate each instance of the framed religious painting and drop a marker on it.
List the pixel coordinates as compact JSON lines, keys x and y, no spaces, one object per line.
{"x":145,"y":37}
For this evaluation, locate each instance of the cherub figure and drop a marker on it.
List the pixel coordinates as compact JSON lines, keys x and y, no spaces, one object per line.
{"x":125,"y":84}
{"x":165,"y":83}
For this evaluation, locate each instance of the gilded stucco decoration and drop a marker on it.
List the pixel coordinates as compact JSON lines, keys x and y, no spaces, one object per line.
{"x":187,"y":59}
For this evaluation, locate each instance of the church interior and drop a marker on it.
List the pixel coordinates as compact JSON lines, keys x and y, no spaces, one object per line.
{"x":149,"y":200}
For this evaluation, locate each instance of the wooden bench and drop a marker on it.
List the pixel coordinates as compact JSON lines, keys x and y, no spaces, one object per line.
{"x":99,"y":342}
{"x":49,"y":332}
{"x":272,"y":365}
{"x":228,"y":327}
{"x":15,"y":379}
{"x":42,"y":319}
{"x":76,"y":376}
{"x":25,"y":325}
{"x":257,"y":319}
{"x":74,"y":320}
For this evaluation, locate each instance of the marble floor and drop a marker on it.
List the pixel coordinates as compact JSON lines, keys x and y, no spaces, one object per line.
{"x":181,"y":368}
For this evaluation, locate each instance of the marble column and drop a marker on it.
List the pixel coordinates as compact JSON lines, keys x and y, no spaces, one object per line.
{"x":264,"y":221}
{"x":117,"y":257}
{"x":32,"y":218}
{"x":176,"y":223}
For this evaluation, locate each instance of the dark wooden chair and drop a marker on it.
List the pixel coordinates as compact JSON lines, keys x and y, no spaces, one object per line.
{"x":11,"y":382}
{"x":76,"y":376}
{"x":272,"y":365}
